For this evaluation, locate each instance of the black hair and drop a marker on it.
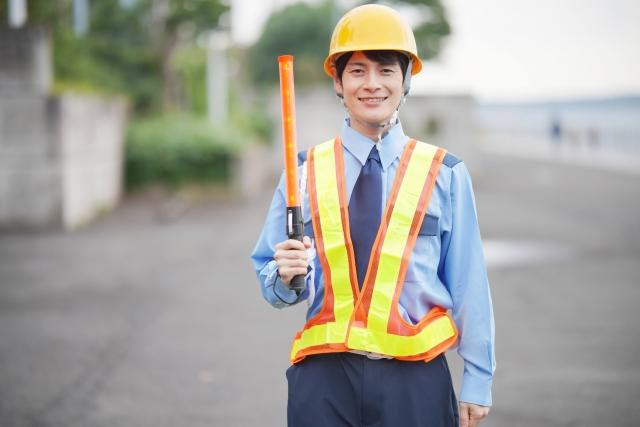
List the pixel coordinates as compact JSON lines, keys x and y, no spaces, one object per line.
{"x":384,"y":57}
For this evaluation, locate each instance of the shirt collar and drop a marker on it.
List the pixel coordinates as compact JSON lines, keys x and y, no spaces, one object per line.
{"x":360,"y":146}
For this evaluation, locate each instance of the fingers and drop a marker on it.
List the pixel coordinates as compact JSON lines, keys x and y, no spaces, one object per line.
{"x":292,"y":249}
{"x":292,"y":244}
{"x":291,"y":258}
{"x":290,"y":254}
{"x":471,"y":414}
{"x":464,"y":415}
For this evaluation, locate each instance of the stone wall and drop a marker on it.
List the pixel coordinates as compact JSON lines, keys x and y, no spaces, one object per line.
{"x":25,"y":62}
{"x":60,"y":157}
{"x":91,"y":138}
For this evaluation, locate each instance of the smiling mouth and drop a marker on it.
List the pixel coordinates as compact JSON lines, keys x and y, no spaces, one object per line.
{"x":373,"y":100}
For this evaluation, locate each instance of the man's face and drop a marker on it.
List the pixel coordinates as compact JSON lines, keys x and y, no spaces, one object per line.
{"x":371,"y":91}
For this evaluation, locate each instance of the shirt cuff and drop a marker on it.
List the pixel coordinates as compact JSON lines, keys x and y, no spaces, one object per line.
{"x":283,"y":292}
{"x":476,"y":390}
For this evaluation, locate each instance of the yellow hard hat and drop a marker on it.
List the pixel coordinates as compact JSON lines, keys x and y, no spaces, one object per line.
{"x":372,"y":27}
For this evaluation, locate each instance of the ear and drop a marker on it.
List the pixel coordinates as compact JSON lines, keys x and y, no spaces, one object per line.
{"x":337,"y":85}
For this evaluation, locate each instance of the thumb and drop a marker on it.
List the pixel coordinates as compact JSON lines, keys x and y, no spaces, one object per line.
{"x":464,"y":416}
{"x":307,"y":242}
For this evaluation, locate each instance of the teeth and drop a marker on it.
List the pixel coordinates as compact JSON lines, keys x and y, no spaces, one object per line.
{"x":373,"y":99}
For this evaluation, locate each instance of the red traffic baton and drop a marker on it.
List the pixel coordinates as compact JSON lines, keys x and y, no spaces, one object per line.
{"x":294,"y":222}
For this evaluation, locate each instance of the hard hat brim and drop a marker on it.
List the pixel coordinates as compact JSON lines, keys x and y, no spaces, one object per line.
{"x":329,"y":62}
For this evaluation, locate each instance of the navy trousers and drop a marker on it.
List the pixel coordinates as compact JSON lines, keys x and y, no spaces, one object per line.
{"x":350,"y":390}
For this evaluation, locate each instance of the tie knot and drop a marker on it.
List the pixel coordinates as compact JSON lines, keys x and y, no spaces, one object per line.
{"x":374,"y":155}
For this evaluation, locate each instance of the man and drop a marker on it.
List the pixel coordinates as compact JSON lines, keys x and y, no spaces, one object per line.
{"x":392,"y":256}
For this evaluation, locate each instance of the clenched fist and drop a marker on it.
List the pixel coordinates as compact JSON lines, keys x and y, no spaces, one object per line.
{"x":471,"y":415}
{"x":291,"y":258}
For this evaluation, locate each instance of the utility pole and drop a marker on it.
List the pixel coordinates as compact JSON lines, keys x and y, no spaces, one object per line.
{"x":217,"y":44}
{"x":17,"y":13}
{"x":80,"y":17}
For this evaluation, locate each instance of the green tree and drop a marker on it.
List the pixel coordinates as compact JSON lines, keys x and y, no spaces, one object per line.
{"x":304,"y":30}
{"x":301,"y":30}
{"x":127,"y":49}
{"x":176,"y":23}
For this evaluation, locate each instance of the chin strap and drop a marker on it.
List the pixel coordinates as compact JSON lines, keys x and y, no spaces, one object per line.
{"x":406,"y":82}
{"x":381,"y":126}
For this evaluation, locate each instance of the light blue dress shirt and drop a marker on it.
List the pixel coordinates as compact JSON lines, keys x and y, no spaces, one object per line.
{"x":446,"y":269}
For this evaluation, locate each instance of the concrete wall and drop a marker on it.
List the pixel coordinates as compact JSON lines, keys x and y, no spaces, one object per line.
{"x":60,"y":157}
{"x":91,"y":139}
{"x":30,"y":162}
{"x":456,"y":127}
{"x":25,"y":62}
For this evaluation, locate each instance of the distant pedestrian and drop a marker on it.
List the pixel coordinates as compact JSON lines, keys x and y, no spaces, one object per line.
{"x":556,"y":130}
{"x":392,"y":257}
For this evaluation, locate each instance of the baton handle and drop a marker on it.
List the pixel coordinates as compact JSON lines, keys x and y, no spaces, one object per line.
{"x":295,"y":230}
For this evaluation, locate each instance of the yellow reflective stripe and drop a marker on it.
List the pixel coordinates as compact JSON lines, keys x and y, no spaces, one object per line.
{"x":434,"y":333}
{"x":397,"y":235}
{"x":335,"y":250}
{"x":326,"y":333}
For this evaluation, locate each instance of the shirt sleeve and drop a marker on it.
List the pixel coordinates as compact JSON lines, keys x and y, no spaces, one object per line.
{"x":273,"y":232}
{"x":465,"y":275}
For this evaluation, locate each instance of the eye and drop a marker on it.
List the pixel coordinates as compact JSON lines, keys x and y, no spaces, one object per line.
{"x":388,"y":71}
{"x":356,"y":71}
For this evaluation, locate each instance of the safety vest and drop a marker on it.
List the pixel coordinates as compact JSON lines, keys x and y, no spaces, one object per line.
{"x":368,"y":319}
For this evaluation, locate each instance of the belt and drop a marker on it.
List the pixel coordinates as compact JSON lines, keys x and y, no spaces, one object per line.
{"x":371,"y":355}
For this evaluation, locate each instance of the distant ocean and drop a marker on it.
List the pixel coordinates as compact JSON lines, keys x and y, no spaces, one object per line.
{"x":612,"y":124}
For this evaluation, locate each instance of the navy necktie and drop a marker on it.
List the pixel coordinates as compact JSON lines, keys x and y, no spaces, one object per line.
{"x":365,"y":211}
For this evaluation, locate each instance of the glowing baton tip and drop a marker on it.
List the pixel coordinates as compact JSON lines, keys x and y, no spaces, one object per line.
{"x":288,"y":128}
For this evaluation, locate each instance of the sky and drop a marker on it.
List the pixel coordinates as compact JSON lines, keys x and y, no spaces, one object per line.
{"x":510,"y":50}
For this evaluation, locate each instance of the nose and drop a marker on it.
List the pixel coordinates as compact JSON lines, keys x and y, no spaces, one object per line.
{"x":372,"y":82}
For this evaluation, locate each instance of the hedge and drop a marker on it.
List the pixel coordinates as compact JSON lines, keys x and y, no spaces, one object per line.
{"x":174,"y":150}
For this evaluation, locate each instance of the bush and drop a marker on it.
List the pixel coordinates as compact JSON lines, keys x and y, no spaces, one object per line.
{"x":176,"y":150}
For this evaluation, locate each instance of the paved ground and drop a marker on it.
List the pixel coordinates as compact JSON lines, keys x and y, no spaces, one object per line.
{"x":149,"y":318}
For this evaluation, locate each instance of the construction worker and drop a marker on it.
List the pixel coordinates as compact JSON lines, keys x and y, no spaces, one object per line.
{"x":392,"y":255}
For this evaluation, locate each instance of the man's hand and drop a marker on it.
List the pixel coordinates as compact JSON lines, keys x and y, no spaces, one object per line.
{"x":291,"y":258}
{"x":471,"y":414}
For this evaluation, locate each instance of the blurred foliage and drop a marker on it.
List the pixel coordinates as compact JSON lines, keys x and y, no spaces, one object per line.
{"x":190,"y":63}
{"x":175,"y":150}
{"x":246,"y":114}
{"x":304,"y":30}
{"x":128,"y":49}
{"x":148,"y":50}
{"x":432,"y":27}
{"x":432,"y":127}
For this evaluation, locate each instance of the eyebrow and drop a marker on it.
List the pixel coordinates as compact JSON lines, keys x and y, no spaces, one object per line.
{"x":363,"y":64}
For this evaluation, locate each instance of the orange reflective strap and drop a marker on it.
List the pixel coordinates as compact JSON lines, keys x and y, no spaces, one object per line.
{"x":362,"y":306}
{"x":326,"y":312}
{"x":397,"y":324}
{"x":369,"y":330}
{"x":326,"y":332}
{"x":344,"y":212}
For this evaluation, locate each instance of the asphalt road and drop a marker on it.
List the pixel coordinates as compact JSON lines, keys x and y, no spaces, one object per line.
{"x":152,"y":316}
